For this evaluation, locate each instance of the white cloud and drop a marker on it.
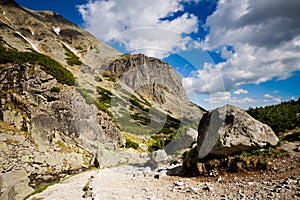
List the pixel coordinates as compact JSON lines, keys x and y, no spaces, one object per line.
{"x":240,"y":91}
{"x":243,"y":100}
{"x":270,"y":98}
{"x":218,"y":98}
{"x":138,"y":24}
{"x":208,"y":80}
{"x":265,"y":37}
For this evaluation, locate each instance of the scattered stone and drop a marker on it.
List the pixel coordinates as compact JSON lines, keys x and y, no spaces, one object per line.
{"x":159,"y":156}
{"x":178,"y":183}
{"x":208,"y":187}
{"x":194,"y":190}
{"x":251,"y":183}
{"x":213,"y":173}
{"x":218,"y":179}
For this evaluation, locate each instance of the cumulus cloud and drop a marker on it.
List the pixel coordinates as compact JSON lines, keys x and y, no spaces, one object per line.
{"x":270,"y":98}
{"x":265,"y":37}
{"x":241,"y":91}
{"x":141,"y":25}
{"x":218,"y":97}
{"x":221,"y":98}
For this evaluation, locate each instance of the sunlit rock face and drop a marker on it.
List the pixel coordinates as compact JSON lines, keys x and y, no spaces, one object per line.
{"x":230,"y":130}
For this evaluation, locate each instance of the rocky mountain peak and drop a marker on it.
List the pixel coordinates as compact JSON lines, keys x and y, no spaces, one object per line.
{"x":156,"y":81}
{"x":49,"y":33}
{"x":150,"y":77}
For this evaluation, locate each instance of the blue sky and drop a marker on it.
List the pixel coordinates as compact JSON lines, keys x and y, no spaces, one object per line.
{"x":245,"y":53}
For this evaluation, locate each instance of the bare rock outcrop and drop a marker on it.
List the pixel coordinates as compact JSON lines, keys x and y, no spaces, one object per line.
{"x":149,"y":76}
{"x":156,"y":81}
{"x":44,"y":127}
{"x":229,"y":130}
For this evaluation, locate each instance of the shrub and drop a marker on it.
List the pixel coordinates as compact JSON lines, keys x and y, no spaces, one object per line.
{"x":104,"y":101}
{"x":129,"y":143}
{"x":55,"y":89}
{"x":98,"y":79}
{"x":108,"y":76}
{"x":49,"y":65}
{"x":72,"y":59}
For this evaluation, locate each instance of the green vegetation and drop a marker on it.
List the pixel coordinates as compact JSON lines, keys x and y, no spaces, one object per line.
{"x":138,"y":103}
{"x":138,"y":117}
{"x":98,"y":79}
{"x":108,"y":76}
{"x":280,"y":118}
{"x":129,"y":143}
{"x":86,"y":94}
{"x":78,"y":48}
{"x":167,"y":134}
{"x":103,"y":103}
{"x":55,"y":89}
{"x":72,"y":59}
{"x":250,"y":160}
{"x":40,"y":189}
{"x":47,"y":64}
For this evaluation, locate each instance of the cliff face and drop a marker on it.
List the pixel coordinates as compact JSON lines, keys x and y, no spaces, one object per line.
{"x":156,"y":81}
{"x":148,"y":76}
{"x":45,"y":128}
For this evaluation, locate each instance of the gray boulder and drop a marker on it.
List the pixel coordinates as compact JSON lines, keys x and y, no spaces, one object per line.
{"x":230,"y":130}
{"x":182,"y":141}
{"x":159,"y":156}
{"x":14,"y":185}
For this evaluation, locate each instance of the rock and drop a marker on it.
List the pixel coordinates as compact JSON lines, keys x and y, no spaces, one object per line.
{"x":178,"y":183}
{"x":141,"y":73}
{"x":13,"y":117}
{"x":39,"y":158}
{"x":15,"y":185}
{"x":159,"y":156}
{"x":75,"y":161}
{"x":208,"y":187}
{"x":54,"y":159}
{"x":182,"y":141}
{"x":229,"y":130}
{"x":160,"y":174}
{"x":219,"y":179}
{"x":157,"y":81}
{"x":194,"y":190}
{"x":3,"y":146}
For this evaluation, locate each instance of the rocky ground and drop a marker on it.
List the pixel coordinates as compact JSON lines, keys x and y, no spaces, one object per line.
{"x":282,"y":181}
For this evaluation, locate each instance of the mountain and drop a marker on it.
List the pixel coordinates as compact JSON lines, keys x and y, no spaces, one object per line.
{"x":70,"y":102}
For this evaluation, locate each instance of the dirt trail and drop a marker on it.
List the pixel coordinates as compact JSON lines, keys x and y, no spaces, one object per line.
{"x":133,"y":182}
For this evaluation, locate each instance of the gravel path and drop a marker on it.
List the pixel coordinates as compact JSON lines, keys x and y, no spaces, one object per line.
{"x":133,"y":182}
{"x":129,"y":182}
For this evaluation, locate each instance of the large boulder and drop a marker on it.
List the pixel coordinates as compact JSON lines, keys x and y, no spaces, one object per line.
{"x":230,"y":130}
{"x":182,"y":141}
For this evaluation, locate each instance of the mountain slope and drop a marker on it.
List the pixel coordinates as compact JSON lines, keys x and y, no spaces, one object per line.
{"x":70,"y":102}
{"x":51,"y":34}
